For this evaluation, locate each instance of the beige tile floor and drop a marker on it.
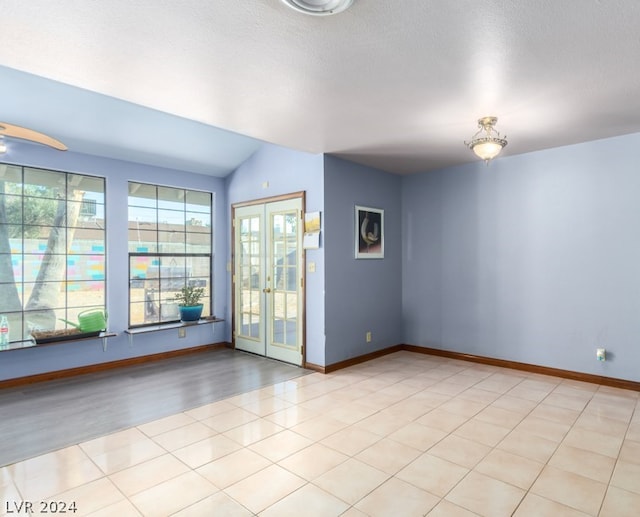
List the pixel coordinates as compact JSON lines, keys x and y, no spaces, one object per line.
{"x":406,"y":434}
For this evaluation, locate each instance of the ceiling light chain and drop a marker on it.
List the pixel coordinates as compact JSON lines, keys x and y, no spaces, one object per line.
{"x":487,"y":142}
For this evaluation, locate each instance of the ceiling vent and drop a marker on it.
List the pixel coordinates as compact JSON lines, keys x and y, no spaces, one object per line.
{"x":319,"y":7}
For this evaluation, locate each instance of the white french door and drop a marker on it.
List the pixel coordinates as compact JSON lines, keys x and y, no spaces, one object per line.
{"x":268,"y":279}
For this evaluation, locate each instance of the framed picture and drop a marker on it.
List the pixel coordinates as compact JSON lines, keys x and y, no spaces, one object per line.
{"x":369,"y":233}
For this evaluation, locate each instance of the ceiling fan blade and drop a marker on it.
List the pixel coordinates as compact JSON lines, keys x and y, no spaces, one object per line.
{"x":30,"y":134}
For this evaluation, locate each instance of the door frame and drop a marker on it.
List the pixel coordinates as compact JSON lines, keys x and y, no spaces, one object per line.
{"x":303,"y":271}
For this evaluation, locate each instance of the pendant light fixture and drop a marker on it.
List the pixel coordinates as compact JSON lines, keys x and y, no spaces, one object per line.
{"x":319,"y":7}
{"x":487,"y":142}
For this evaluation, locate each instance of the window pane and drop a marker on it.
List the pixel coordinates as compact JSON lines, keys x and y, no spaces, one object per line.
{"x":10,"y":269}
{"x":177,"y":210}
{"x":142,"y":195}
{"x":198,"y":243}
{"x":155,"y":281}
{"x":139,"y":266}
{"x":53,"y":291}
{"x":171,"y":220}
{"x":54,"y":270}
{"x":195,"y":281}
{"x":16,"y":331}
{"x":143,"y":313}
{"x":85,"y":267}
{"x":14,"y":231}
{"x":92,"y":187}
{"x":171,"y":242}
{"x":44,"y":184}
{"x":9,"y":299}
{"x":32,"y":265}
{"x":36,"y":238}
{"x":45,"y":319}
{"x":142,"y":218}
{"x":199,"y":267}
{"x":141,"y":241}
{"x":90,"y":214}
{"x":136,"y":290}
{"x":169,"y":310}
{"x":44,"y":211}
{"x":172,"y":284}
{"x":86,"y":293}
{"x":198,"y":201}
{"x":13,"y":208}
{"x":173,"y":267}
{"x":200,"y":223}
{"x":171,"y":198}
{"x":11,"y":175}
{"x":87,"y":242}
{"x":153,"y":271}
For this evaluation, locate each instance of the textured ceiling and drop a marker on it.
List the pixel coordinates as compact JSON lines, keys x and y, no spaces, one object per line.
{"x":395,"y":85}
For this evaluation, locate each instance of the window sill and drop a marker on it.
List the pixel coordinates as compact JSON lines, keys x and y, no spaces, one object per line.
{"x":169,"y":326}
{"x":29,"y":343}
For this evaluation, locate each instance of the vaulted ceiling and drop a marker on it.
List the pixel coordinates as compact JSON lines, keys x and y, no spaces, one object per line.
{"x":199,"y":84}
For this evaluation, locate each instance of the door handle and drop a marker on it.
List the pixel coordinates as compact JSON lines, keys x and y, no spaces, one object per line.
{"x":266,"y":290}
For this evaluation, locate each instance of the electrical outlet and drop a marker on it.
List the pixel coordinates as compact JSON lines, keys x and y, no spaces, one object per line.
{"x":368,"y":337}
{"x":601,"y":354}
{"x":182,"y":332}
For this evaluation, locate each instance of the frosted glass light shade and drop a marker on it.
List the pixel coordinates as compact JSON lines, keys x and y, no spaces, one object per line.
{"x":487,"y":150}
{"x":487,"y":142}
{"x":319,"y":7}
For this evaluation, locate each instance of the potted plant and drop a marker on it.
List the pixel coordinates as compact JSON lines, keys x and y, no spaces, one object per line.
{"x":188,"y":299}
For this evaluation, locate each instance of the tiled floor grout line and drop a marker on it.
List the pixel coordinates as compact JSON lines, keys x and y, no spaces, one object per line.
{"x":260,"y":416}
{"x":492,"y":449}
{"x":617,"y":458}
{"x":613,"y":470}
{"x":524,"y":417}
{"x":310,"y":482}
{"x":528,"y":490}
{"x":452,"y":431}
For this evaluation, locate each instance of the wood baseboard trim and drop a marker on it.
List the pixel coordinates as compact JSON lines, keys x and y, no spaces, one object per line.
{"x":531,"y":368}
{"x":314,"y":367}
{"x":503,"y":363}
{"x":112,"y":365}
{"x":357,"y":360}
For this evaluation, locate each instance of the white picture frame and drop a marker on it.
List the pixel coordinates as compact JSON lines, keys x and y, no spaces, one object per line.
{"x":369,"y":233}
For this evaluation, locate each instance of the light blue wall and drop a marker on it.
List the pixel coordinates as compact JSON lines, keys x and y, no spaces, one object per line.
{"x":535,"y":258}
{"x":19,"y":363}
{"x":366,"y":294}
{"x":288,"y":171}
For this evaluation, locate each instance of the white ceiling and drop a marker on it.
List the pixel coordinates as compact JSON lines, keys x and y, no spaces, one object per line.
{"x":397,"y":85}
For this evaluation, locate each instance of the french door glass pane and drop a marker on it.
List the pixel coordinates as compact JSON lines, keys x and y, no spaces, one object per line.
{"x":250,"y":280}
